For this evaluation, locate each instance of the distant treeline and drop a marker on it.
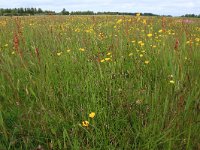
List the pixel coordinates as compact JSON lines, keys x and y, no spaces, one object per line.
{"x":39,"y":11}
{"x":191,"y":15}
{"x":24,"y":11}
{"x":108,"y":13}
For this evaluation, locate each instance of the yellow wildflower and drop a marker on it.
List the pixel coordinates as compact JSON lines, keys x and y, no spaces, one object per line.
{"x":92,"y":114}
{"x":146,"y":62}
{"x":59,"y":53}
{"x":119,"y":21}
{"x":102,"y":60}
{"x":82,"y":49}
{"x":85,"y":123}
{"x":142,"y":44}
{"x":107,"y":59}
{"x":154,"y":46}
{"x":149,"y":35}
{"x":145,"y":21}
{"x":77,"y":30}
{"x":68,"y":50}
{"x":141,"y":55}
{"x":172,"y":81}
{"x":139,"y":42}
{"x":109,"y":54}
{"x":131,"y":54}
{"x":188,"y":42}
{"x":143,"y":51}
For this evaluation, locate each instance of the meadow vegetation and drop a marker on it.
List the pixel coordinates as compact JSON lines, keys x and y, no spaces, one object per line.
{"x":99,"y":82}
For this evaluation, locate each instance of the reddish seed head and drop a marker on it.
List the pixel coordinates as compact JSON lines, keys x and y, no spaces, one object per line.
{"x":37,"y":54}
{"x":176,"y":44}
{"x":16,"y":42}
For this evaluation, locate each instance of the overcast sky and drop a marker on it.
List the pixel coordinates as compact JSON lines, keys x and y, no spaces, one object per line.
{"x":165,"y":7}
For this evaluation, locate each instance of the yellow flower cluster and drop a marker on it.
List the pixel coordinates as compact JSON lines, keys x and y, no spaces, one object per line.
{"x":107,"y":58}
{"x":86,"y":123}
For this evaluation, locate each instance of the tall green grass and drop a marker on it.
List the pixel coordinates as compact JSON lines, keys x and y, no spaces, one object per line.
{"x":48,"y":86}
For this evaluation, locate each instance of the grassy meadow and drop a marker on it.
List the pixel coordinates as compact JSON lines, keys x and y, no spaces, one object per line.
{"x":99,"y":82}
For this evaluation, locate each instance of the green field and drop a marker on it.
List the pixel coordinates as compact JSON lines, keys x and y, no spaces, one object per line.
{"x":140,"y":76}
